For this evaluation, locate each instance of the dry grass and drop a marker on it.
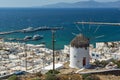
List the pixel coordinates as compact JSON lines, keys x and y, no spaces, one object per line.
{"x":108,"y":77}
{"x":67,"y":69}
{"x":67,"y":73}
{"x":73,"y":77}
{"x":70,"y":77}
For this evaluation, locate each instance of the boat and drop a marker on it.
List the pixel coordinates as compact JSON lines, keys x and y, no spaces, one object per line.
{"x":37,"y":37}
{"x":11,"y":39}
{"x":28,"y":37}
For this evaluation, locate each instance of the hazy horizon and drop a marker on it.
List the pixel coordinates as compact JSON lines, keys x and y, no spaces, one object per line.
{"x":31,"y":3}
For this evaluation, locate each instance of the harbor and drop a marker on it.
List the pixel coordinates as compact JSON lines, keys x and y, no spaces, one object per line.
{"x":59,"y":44}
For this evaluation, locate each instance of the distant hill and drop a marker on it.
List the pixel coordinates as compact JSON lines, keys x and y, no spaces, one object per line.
{"x":85,"y":4}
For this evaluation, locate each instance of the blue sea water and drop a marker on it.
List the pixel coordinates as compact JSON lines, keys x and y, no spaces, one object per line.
{"x":20,"y":18}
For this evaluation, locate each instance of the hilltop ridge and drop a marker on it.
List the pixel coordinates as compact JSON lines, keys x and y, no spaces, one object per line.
{"x":84,"y":4}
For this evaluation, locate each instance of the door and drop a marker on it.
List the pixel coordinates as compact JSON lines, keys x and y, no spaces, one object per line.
{"x":84,"y":61}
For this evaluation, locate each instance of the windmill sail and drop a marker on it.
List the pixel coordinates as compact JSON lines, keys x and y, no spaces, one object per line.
{"x":74,"y":34}
{"x":79,"y":28}
{"x":96,"y":29}
{"x":100,"y":36}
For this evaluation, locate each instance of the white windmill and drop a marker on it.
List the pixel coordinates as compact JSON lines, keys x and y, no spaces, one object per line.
{"x":79,"y":47}
{"x":79,"y":52}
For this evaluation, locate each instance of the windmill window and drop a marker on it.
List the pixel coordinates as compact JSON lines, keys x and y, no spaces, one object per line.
{"x":93,"y":54}
{"x":78,"y":61}
{"x":85,"y":48}
{"x":97,"y":55}
{"x":74,"y":56}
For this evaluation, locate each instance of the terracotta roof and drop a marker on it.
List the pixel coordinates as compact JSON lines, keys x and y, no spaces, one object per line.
{"x":80,"y":41}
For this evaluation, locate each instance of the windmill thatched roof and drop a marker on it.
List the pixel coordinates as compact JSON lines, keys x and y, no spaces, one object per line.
{"x":80,"y":42}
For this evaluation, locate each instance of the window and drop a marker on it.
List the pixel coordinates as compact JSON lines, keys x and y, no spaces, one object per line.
{"x":74,"y":56}
{"x":93,"y":54}
{"x":97,"y":55}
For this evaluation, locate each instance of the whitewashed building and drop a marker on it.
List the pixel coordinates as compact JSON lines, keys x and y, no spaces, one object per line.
{"x":116,"y":56}
{"x":79,"y":52}
{"x":66,"y":49}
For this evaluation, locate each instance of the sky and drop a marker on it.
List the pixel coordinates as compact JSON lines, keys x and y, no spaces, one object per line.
{"x":34,"y":3}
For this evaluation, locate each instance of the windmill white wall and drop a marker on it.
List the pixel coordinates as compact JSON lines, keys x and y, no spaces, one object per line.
{"x":77,"y":56}
{"x":79,"y":52}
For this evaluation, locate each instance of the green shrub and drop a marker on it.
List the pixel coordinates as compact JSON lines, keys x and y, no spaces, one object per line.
{"x":92,"y":77}
{"x":84,"y":76}
{"x":51,"y":72}
{"x":13,"y":77}
{"x":116,"y":62}
{"x":36,"y":79}
{"x":51,"y":77}
{"x":97,"y":63}
{"x":101,"y":63}
{"x":38,"y":74}
{"x":113,"y":60}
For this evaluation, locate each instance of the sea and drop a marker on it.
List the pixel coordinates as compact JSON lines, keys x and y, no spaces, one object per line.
{"x":20,"y":18}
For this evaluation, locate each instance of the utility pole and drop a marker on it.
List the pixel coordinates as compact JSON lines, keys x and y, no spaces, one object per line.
{"x":53,"y":47}
{"x":33,"y":59}
{"x":25,"y":49}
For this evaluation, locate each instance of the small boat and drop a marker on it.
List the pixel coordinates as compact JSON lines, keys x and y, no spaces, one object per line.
{"x":11,"y":39}
{"x":37,"y":37}
{"x":28,"y":37}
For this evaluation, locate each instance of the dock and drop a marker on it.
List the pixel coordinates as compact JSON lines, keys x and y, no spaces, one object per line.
{"x":99,"y":23}
{"x":33,"y":30}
